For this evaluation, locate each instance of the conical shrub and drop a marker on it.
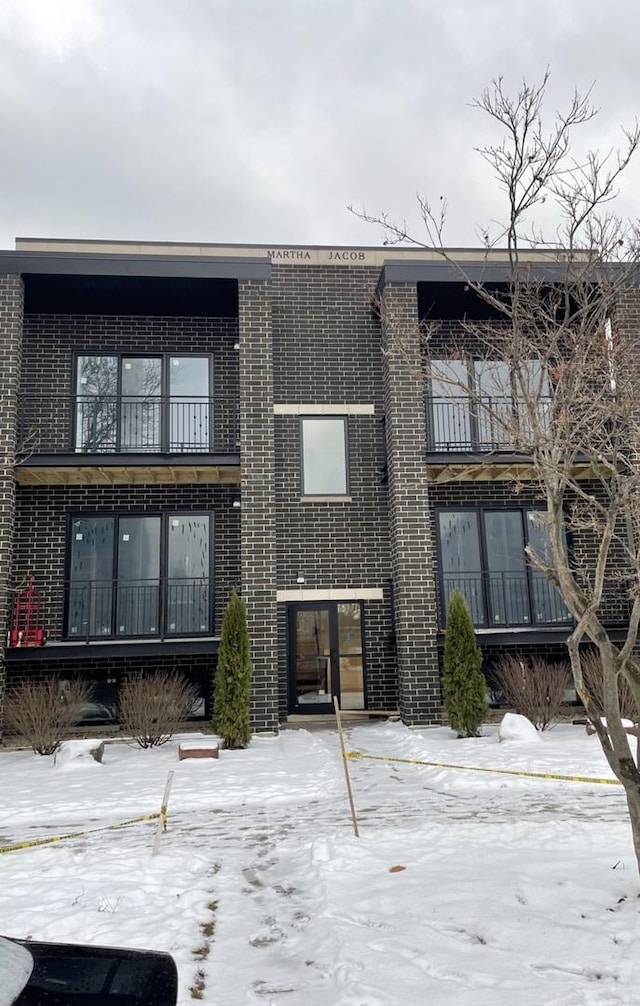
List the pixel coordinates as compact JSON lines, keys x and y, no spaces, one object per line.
{"x":463,"y":684}
{"x":232,"y":698}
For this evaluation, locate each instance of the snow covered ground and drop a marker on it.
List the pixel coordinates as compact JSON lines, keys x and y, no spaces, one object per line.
{"x":515,"y":890}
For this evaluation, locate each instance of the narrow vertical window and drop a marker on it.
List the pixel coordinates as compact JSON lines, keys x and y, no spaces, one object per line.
{"x":547,"y":604}
{"x":450,"y":403}
{"x":96,"y":404}
{"x":140,"y":419}
{"x":324,"y":457}
{"x":90,"y":597}
{"x":189,"y":403}
{"x":506,"y":567}
{"x":460,"y":557}
{"x":494,"y":403}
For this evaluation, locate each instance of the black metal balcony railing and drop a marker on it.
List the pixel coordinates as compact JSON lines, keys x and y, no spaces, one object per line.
{"x":506,"y":600}
{"x":479,"y":423}
{"x":99,"y":609}
{"x":114,"y":424}
{"x":90,"y":610}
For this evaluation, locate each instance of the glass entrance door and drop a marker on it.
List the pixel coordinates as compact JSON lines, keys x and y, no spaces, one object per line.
{"x":326,"y":657}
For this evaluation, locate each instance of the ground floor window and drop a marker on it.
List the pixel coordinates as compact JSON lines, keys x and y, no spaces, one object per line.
{"x":482,"y":555}
{"x":139,"y":575}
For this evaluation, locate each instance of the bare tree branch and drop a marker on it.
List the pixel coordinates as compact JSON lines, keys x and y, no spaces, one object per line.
{"x":568,"y":406}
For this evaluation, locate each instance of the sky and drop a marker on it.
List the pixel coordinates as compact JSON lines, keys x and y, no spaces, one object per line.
{"x":482,"y":885}
{"x":260,"y":121}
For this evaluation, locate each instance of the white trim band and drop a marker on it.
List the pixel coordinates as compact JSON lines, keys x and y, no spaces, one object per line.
{"x":323,"y":410}
{"x":331,"y":594}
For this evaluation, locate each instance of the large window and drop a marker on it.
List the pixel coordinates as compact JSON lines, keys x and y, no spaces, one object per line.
{"x":324,"y":457}
{"x":139,"y":576}
{"x":482,"y":555}
{"x":479,"y":405}
{"x":140,"y":404}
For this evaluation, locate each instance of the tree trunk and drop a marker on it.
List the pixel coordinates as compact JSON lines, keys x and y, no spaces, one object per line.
{"x":632,"y":793}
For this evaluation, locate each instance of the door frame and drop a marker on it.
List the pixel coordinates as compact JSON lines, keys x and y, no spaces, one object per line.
{"x":321,"y":708}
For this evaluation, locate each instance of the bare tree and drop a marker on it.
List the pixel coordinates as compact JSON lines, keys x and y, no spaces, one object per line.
{"x":569,"y":405}
{"x":534,"y":688}
{"x":44,"y":712}
{"x":152,"y":707}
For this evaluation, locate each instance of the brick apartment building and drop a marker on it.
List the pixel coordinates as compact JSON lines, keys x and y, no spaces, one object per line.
{"x":191,"y":418}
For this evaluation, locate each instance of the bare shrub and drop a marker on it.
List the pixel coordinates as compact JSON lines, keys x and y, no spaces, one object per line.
{"x":43,"y":712}
{"x":152,"y":707}
{"x":593,"y":680}
{"x":534,"y":688}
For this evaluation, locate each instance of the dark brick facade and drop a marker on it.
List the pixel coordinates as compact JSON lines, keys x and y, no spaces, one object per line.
{"x":52,"y":342}
{"x":105,"y":675}
{"x":327,"y":351}
{"x":258,"y":497}
{"x":41,"y":532}
{"x":304,"y":342}
{"x":410,"y":513}
{"x":11,"y":324}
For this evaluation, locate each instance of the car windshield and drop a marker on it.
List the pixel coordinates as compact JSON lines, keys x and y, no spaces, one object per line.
{"x":16,"y":965}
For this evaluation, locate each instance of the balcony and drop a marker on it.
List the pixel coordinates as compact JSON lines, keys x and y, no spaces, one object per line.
{"x":116,"y":438}
{"x":90,"y":611}
{"x":507,"y":600}
{"x":138,"y":425}
{"x":478,"y":424}
{"x":479,"y":437}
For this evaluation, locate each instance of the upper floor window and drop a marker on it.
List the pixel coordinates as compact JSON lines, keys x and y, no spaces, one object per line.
{"x":142,"y":403}
{"x":139,"y":575}
{"x":482,"y":555}
{"x":324,"y":456}
{"x":481,"y":405}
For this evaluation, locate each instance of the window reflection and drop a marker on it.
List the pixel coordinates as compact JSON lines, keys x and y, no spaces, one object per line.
{"x":139,"y":576}
{"x":96,"y":415}
{"x":140,"y":415}
{"x":324,"y":457}
{"x":140,"y":404}
{"x":312,"y":655}
{"x":486,"y":405}
{"x":482,"y":555}
{"x":350,"y":656}
{"x":460,"y":557}
{"x":189,"y":417}
{"x":188,"y":575}
{"x":451,"y":419}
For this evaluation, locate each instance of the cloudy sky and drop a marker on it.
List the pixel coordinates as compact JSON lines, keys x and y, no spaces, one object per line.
{"x":260,"y":120}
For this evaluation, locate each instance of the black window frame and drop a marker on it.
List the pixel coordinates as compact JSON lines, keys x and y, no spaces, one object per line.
{"x":345,"y":429}
{"x":484,"y":573}
{"x":163,"y":578}
{"x":164,"y":395}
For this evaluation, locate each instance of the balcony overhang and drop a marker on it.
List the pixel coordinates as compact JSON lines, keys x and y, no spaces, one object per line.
{"x":61,"y":650}
{"x":105,"y":264}
{"x":130,"y":469}
{"x":443,"y":467}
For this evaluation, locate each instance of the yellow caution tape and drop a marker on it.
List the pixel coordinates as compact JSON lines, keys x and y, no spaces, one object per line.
{"x":79,"y":834}
{"x":475,"y":768}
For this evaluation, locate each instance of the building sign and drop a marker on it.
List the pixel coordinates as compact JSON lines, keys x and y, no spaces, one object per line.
{"x":324,"y":256}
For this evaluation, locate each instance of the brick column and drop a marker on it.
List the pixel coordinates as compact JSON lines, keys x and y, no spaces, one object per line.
{"x":258,"y":533}
{"x":11,"y":316}
{"x":410,"y":517}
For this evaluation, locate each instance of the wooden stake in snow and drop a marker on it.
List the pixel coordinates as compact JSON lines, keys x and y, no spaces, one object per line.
{"x":162,"y":820}
{"x":346,"y":768}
